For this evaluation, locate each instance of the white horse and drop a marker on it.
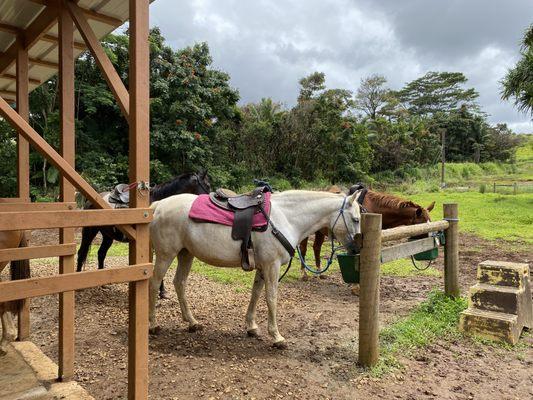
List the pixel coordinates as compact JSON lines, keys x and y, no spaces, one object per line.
{"x":297,"y":214}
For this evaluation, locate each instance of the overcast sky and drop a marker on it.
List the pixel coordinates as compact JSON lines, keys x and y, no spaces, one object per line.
{"x":267,"y":46}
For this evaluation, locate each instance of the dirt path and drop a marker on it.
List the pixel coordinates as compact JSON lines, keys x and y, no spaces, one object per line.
{"x":318,"y":318}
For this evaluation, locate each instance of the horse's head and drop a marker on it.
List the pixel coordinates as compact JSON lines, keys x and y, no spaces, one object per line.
{"x":421,"y":214}
{"x":200,"y":183}
{"x":346,"y":224}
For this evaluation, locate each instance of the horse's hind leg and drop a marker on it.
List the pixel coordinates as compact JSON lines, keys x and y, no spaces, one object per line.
{"x":251,"y":324}
{"x":180,"y":283}
{"x":9,"y":331}
{"x":87,"y":236}
{"x":317,"y":248}
{"x":107,"y":241}
{"x":162,"y":263}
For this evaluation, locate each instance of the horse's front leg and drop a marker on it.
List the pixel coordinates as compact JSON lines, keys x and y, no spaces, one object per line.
{"x":303,"y":251}
{"x":180,"y":284}
{"x":251,"y":324}
{"x":162,"y":263}
{"x":270,"y":275}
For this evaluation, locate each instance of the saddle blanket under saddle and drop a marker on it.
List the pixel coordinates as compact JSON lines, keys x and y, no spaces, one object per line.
{"x":204,"y":210}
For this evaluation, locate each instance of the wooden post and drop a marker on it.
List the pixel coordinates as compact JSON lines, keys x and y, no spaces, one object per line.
{"x":451,"y":251}
{"x":23,"y":166}
{"x":67,"y":149}
{"x":139,"y":160}
{"x":494,"y":187}
{"x":369,"y":267}
{"x":515,"y":188}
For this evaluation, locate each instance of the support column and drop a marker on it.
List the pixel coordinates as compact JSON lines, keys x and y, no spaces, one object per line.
{"x":67,"y":150}
{"x":139,"y":161}
{"x":23,"y":166}
{"x":369,"y":267}
{"x":451,"y":251}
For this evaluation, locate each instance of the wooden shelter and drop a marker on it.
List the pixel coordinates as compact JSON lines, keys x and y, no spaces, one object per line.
{"x":39,"y":38}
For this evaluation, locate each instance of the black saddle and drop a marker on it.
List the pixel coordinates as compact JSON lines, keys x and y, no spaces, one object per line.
{"x":244,"y":206}
{"x":120,"y":196}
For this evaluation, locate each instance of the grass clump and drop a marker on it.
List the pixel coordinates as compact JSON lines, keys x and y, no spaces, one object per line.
{"x":435,"y":318}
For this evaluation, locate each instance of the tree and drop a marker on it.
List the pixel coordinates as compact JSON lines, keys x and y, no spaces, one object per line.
{"x":372,"y":96}
{"x":311,"y":85}
{"x":438,"y":92}
{"x":518,"y":83}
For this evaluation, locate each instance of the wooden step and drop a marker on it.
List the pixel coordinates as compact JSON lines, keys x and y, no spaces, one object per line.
{"x":491,"y":325}
{"x":502,"y":273}
{"x":503,"y":299}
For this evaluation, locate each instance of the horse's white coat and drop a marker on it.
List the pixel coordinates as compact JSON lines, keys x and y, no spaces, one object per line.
{"x":297,"y":214}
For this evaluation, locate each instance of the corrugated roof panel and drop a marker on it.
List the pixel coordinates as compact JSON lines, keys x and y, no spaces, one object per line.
{"x":20,"y":14}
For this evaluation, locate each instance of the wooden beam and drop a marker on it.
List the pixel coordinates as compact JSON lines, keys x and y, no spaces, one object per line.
{"x":27,"y":253}
{"x":104,"y":63}
{"x":38,"y":142}
{"x":11,"y":200}
{"x":44,"y":63}
{"x":14,"y":77}
{"x":67,"y":191}
{"x":21,"y":206}
{"x":406,"y":249}
{"x":94,"y":15}
{"x":139,"y":162}
{"x":14,"y":30}
{"x":403,"y":232}
{"x":44,"y":286}
{"x":23,"y":109}
{"x":44,"y":21}
{"x":11,"y":221}
{"x":8,"y":93}
{"x":53,"y":39}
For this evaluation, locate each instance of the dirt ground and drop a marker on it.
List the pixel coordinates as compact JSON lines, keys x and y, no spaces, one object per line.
{"x":319,"y":320}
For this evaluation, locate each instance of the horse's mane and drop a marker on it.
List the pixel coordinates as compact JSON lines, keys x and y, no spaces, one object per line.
{"x":166,"y":189}
{"x":390,"y":200}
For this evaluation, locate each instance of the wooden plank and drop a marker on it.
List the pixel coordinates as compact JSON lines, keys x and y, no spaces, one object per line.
{"x":451,"y":251}
{"x":28,"y":253}
{"x":6,"y":200}
{"x":369,"y":267}
{"x":20,"y":206}
{"x":91,"y":14}
{"x":72,"y":219}
{"x":104,"y":63}
{"x":403,"y":232}
{"x":55,"y":159}
{"x":407,"y":249}
{"x":139,"y":161}
{"x":14,"y":77}
{"x":54,"y":39}
{"x":44,"y":286}
{"x":67,"y":192}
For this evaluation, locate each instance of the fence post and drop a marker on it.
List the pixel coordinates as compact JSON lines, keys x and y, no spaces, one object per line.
{"x":369,"y":268}
{"x":451,"y":251}
{"x":515,"y":188}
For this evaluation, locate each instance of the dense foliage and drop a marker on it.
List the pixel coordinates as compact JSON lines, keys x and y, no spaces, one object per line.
{"x":330,"y":134}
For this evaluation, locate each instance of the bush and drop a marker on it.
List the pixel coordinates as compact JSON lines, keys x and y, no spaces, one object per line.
{"x":482,"y":188}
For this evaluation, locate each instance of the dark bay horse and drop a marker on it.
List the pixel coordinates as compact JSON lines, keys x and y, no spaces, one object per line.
{"x":394,"y":210}
{"x":19,"y":270}
{"x":195,"y":183}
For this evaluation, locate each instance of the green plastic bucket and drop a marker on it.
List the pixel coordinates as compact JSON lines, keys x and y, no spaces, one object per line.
{"x":349,"y":265}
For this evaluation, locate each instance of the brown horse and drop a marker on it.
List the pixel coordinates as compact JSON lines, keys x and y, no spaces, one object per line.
{"x":19,"y":270}
{"x":394,"y":210}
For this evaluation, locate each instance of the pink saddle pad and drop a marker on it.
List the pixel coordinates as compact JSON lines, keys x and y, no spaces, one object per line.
{"x":204,"y":210}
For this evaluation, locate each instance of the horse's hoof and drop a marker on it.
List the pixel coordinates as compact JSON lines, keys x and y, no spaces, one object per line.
{"x":281,"y":345}
{"x":154,"y":331}
{"x":253,"y":333}
{"x":3,"y":352}
{"x":164,"y":295}
{"x":322,"y":276}
{"x":305,"y":278}
{"x":355,"y":290}
{"x":195,"y":328}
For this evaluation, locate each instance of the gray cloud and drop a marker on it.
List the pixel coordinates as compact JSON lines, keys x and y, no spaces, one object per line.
{"x":267,"y":46}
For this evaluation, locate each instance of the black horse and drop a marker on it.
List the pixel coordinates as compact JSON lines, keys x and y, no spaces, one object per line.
{"x":195,"y":183}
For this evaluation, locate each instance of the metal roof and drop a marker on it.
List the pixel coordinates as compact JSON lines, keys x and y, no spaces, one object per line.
{"x":16,"y":16}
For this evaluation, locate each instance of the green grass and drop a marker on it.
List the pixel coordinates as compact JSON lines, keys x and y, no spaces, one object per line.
{"x":490,"y":216}
{"x":435,"y":318}
{"x":404,"y":267}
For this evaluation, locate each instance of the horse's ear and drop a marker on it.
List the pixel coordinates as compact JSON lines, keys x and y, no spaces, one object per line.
{"x":352,"y":198}
{"x":430,"y":207}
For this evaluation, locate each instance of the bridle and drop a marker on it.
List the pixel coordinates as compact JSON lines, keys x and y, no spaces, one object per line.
{"x":202,"y":183}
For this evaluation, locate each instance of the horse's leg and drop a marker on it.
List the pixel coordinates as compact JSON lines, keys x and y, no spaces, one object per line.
{"x":87,"y":236}
{"x":9,"y":331}
{"x":107,"y":241}
{"x":163,"y":294}
{"x":162,"y":262}
{"x":303,"y":250}
{"x":180,"y":283}
{"x":251,"y":324}
{"x":317,"y":247}
{"x":270,"y":275}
